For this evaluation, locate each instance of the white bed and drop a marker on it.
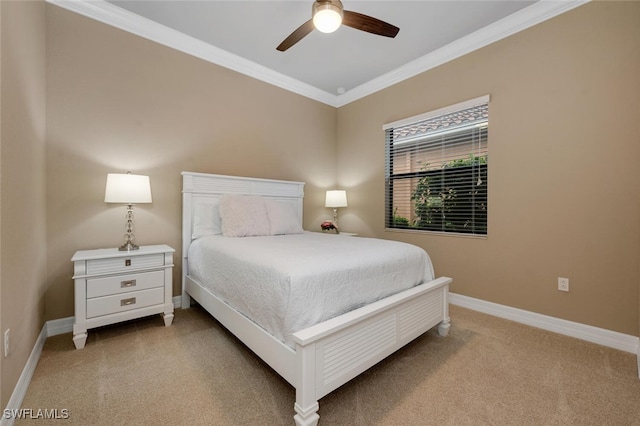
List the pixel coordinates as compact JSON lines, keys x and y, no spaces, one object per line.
{"x":321,"y":356}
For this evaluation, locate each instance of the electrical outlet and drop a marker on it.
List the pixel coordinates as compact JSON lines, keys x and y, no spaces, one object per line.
{"x":563,"y":284}
{"x":6,"y":342}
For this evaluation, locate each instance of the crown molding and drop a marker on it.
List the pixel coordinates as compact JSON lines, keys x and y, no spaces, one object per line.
{"x":110,"y":14}
{"x":512,"y":24}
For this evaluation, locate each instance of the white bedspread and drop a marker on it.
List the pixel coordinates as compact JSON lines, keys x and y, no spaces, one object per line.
{"x":286,"y":283}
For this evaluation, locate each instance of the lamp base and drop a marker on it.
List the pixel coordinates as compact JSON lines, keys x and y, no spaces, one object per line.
{"x":128,"y":236}
{"x":128,"y":246}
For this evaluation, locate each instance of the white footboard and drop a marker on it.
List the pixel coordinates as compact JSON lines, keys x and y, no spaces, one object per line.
{"x":335,"y":351}
{"x":331,"y":353}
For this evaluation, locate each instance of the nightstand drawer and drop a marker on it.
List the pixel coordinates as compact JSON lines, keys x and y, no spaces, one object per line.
{"x":107,"y":286}
{"x":123,"y":264}
{"x":124,"y":302}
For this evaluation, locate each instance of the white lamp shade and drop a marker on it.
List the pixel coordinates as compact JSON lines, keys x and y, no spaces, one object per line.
{"x":336,"y":198}
{"x":127,"y":189}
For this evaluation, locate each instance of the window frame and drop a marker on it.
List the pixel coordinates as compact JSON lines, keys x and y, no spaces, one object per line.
{"x":441,"y":173}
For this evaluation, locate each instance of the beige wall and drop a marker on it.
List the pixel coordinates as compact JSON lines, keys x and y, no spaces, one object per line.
{"x":22,"y":182}
{"x":117,"y":102}
{"x":564,"y":143}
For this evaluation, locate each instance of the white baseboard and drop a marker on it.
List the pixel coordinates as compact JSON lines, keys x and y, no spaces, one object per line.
{"x":612,"y":339}
{"x":177,"y":302}
{"x":15,"y":402}
{"x":59,"y":326}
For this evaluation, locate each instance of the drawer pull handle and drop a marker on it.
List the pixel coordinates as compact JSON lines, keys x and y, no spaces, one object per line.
{"x":128,"y":283}
{"x":127,"y":262}
{"x":127,"y":302}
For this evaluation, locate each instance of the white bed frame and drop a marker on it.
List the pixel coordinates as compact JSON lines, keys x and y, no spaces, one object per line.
{"x":328,"y":354}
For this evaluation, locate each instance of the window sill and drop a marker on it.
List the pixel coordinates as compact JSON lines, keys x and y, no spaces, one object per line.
{"x":436,"y":233}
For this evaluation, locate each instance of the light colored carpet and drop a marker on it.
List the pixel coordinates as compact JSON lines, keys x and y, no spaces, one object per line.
{"x":488,"y":371}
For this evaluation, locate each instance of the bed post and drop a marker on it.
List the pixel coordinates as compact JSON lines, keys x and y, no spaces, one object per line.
{"x":187,"y":186}
{"x":638,"y":359}
{"x":306,"y":405}
{"x":185,"y":301}
{"x":443,"y":327}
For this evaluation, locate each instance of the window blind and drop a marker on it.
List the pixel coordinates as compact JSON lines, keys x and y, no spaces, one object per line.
{"x":436,"y":170}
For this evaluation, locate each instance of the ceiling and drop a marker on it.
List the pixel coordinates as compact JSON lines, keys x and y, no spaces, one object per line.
{"x":333,"y":68}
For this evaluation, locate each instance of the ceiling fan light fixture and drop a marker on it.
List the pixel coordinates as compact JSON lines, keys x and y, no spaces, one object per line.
{"x":327,"y":16}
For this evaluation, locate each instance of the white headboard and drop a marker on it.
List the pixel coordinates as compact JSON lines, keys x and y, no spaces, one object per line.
{"x":202,"y":188}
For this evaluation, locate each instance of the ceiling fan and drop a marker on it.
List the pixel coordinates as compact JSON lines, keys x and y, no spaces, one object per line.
{"x":328,"y":15}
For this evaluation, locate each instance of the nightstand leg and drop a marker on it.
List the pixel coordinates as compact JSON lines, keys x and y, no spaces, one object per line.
{"x":79,"y":335}
{"x":79,"y":340}
{"x":168,"y":319}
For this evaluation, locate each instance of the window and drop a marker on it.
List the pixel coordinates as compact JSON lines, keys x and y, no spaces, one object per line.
{"x":436,"y":170}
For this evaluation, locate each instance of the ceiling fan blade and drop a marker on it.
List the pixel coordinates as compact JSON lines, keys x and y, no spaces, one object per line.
{"x":369,"y":24}
{"x":296,"y":36}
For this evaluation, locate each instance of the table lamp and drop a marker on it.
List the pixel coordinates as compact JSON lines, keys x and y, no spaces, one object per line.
{"x":127,"y":189}
{"x":335,"y":199}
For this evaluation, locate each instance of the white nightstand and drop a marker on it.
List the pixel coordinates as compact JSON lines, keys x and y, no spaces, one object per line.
{"x":112,"y":286}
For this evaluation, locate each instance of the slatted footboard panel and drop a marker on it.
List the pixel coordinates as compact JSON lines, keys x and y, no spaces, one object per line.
{"x":344,"y":355}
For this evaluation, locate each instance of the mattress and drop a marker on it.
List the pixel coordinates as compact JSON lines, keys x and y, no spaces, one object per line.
{"x":286,"y":283}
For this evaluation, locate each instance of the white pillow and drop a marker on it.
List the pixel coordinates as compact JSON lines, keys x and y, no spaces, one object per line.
{"x":243,"y":216}
{"x":206,"y":219}
{"x":283,"y":218}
